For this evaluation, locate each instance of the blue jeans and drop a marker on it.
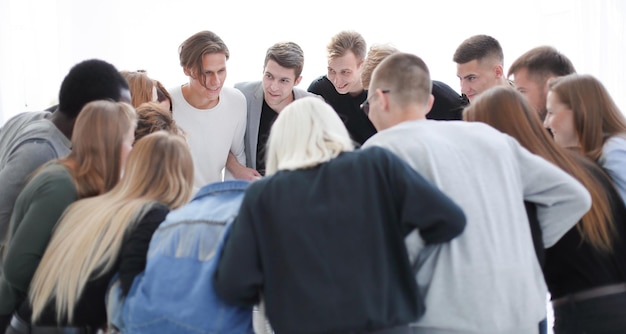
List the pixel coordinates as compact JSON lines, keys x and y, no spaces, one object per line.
{"x":602,"y":315}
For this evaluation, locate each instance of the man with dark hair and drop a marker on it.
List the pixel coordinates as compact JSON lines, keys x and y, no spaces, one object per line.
{"x":31,"y":139}
{"x":479,"y":67}
{"x":282,"y":72}
{"x":532,"y":71}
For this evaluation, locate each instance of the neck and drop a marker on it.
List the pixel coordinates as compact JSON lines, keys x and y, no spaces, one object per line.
{"x":198,"y":102}
{"x":63,"y":123}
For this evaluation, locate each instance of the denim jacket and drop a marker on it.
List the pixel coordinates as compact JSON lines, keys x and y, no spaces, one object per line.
{"x":175,"y":292}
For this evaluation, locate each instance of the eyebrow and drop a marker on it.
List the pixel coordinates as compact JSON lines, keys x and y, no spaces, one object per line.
{"x":466,"y":76}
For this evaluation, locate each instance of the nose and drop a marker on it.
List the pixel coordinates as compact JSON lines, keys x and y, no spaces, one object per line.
{"x":465,"y":88}
{"x":213,"y":79}
{"x":546,"y":123}
{"x":273,"y":86}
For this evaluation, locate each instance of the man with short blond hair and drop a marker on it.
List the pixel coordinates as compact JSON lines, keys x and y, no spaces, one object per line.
{"x":341,"y":87}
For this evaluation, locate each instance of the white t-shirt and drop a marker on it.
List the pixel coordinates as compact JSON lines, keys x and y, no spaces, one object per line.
{"x":212,"y":133}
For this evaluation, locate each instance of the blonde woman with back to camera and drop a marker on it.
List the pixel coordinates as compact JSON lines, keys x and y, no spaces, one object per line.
{"x":98,"y":235}
{"x":323,"y":236}
{"x":102,"y":138}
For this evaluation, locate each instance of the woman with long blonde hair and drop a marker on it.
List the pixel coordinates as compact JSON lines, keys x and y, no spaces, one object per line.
{"x":102,"y":138}
{"x":98,"y":235}
{"x":586,"y":269}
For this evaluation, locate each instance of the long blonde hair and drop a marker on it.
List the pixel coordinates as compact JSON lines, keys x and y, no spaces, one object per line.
{"x":88,"y":237}
{"x":306,"y":133}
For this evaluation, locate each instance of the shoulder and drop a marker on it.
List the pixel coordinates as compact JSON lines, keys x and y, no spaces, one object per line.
{"x":249,"y":88}
{"x":319,"y":84}
{"x":615,"y":143}
{"x":175,"y":91}
{"x":54,"y":173}
{"x":233,"y":94}
{"x":21,"y":119}
{"x":299,"y":93}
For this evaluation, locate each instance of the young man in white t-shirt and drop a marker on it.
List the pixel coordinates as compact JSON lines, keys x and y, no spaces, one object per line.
{"x":213,"y":116}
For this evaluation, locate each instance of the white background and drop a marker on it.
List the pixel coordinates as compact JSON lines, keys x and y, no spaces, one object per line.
{"x":41,"y":40}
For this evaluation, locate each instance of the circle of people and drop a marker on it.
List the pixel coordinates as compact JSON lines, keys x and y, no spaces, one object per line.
{"x":376,"y":201}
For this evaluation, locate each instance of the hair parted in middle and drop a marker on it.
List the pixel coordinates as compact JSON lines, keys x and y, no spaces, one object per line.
{"x":596,"y":115}
{"x":192,"y":50}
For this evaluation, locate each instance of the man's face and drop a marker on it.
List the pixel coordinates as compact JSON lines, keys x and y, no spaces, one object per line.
{"x":534,"y":90}
{"x":476,"y":77}
{"x":278,"y":83}
{"x":374,"y":109}
{"x":214,"y":68}
{"x":560,"y":121}
{"x":345,"y":73}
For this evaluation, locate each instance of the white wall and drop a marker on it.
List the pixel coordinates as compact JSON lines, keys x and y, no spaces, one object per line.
{"x":41,"y":40}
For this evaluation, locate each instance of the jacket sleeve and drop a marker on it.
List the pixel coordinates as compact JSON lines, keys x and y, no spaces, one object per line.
{"x":424,"y":206}
{"x":238,"y":278}
{"x":32,"y":234}
{"x":560,"y":199}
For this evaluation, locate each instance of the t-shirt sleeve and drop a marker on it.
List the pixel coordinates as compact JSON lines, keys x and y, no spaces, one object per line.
{"x":135,"y":248}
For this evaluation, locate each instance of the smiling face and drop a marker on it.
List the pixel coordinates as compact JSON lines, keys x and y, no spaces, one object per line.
{"x":278,"y":83}
{"x":345,"y":73}
{"x":205,"y":90}
{"x":475,"y":77}
{"x":560,"y":121}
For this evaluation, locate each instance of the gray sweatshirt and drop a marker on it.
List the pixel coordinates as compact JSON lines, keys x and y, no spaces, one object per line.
{"x":488,"y":279}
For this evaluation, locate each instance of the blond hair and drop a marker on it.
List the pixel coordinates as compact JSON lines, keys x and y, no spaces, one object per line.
{"x":306,"y":133}
{"x":87,"y":240}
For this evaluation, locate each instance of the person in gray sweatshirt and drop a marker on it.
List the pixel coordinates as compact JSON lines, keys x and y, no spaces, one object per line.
{"x":487,"y":280}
